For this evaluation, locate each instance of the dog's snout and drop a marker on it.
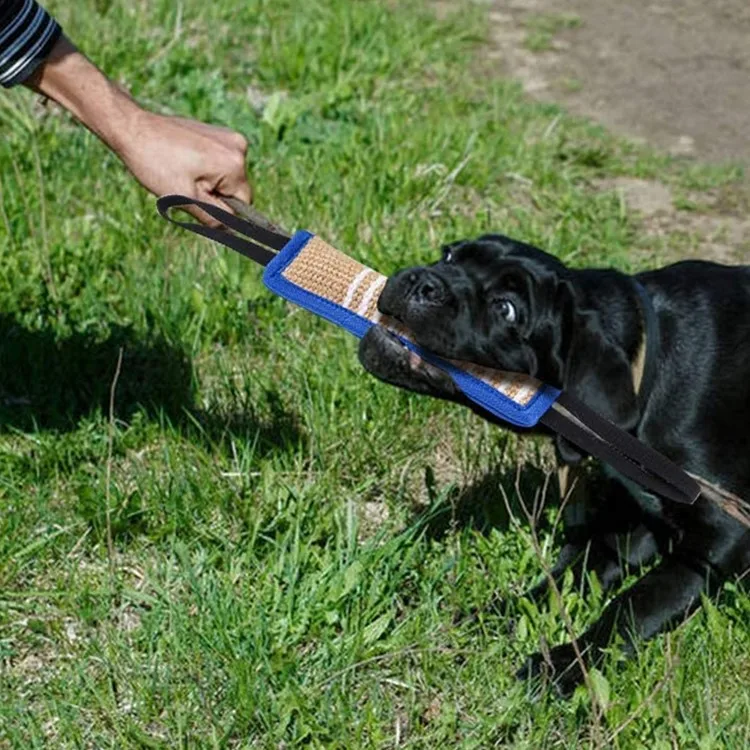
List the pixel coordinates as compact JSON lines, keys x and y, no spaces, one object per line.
{"x":429,"y":288}
{"x":413,"y":289}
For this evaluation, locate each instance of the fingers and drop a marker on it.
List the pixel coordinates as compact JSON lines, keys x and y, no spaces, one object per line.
{"x":202,"y":161}
{"x":208,"y":196}
{"x":203,"y":192}
{"x":230,"y":179}
{"x":233,"y":182}
{"x":243,"y":191}
{"x":237,"y":188}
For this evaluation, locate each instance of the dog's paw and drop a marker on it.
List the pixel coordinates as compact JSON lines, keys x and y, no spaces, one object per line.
{"x":560,"y":667}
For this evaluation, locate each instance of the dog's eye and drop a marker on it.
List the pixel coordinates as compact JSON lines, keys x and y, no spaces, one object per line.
{"x":507,"y":309}
{"x":447,"y":256}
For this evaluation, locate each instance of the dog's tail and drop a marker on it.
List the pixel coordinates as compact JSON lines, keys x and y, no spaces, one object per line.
{"x":730,"y":503}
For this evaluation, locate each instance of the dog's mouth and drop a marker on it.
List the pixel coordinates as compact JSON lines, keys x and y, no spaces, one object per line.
{"x":384,"y":354}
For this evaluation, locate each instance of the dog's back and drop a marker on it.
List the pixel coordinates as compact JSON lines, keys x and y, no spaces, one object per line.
{"x":702,"y":391}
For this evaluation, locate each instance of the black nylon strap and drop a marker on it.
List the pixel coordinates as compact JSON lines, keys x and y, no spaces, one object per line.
{"x":632,"y":447}
{"x":604,"y":451}
{"x":255,"y":248}
{"x":621,"y":450}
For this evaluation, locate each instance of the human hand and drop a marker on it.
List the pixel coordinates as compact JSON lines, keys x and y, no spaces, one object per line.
{"x":178,"y":155}
{"x":165,"y":154}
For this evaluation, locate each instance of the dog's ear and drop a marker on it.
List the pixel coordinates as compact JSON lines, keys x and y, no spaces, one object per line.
{"x":599,"y":373}
{"x":448,"y":249}
{"x":549,"y":326}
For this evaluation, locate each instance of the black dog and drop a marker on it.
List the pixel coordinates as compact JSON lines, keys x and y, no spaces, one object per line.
{"x":507,"y":305}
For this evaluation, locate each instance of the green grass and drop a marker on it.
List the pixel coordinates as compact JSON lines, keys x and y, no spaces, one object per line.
{"x":291,"y":541}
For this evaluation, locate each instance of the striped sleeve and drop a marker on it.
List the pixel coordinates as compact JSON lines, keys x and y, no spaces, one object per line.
{"x":27,"y":34}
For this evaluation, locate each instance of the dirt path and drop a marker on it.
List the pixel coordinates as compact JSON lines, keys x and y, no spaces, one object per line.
{"x":674,"y":74}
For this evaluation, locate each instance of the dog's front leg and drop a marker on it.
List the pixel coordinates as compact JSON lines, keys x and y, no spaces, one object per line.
{"x":658,"y":601}
{"x":605,"y":533}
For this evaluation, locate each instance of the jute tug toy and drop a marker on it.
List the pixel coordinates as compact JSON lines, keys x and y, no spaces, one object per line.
{"x":307,"y":271}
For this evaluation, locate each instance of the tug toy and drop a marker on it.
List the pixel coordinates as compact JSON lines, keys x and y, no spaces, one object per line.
{"x":307,"y":271}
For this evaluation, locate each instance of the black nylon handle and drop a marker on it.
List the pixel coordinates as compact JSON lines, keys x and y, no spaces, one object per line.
{"x":621,"y":450}
{"x":259,"y":238}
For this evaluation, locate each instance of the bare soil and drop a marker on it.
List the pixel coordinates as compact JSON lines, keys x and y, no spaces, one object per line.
{"x":673,"y":75}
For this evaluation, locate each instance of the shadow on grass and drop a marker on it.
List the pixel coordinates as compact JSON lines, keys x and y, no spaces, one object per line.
{"x":276,"y":431}
{"x":485,"y":505}
{"x":48,"y":383}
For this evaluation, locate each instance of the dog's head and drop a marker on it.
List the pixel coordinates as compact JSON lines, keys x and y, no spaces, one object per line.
{"x":505,"y":304}
{"x":492,"y":301}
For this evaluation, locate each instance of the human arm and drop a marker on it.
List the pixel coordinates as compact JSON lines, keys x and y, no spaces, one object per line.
{"x":165,"y":154}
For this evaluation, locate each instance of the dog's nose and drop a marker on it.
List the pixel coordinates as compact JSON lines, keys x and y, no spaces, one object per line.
{"x":429,"y":288}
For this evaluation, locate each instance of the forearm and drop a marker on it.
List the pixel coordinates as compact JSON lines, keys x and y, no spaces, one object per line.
{"x":165,"y":154}
{"x":75,"y":83}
